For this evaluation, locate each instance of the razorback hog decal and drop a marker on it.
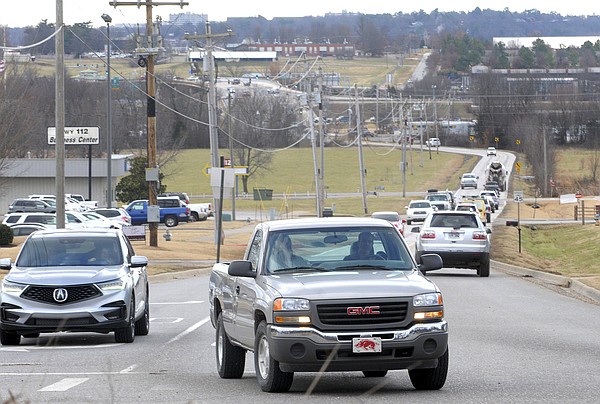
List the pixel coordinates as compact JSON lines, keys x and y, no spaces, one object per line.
{"x":366,"y":344}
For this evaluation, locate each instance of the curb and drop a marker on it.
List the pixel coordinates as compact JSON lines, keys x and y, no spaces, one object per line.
{"x":557,"y":280}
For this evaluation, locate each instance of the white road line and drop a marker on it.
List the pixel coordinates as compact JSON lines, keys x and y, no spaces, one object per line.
{"x":129,"y":369}
{"x":189,"y":330}
{"x":176,"y":303}
{"x":65,"y":384}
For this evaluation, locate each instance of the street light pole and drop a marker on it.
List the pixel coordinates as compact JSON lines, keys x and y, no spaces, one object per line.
{"x":107,"y":19}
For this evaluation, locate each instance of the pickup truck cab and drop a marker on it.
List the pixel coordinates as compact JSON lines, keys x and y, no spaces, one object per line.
{"x":329,"y":295}
{"x":170,"y":213}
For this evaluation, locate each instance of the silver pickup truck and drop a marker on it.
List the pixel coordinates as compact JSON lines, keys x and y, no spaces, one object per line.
{"x":329,"y":294}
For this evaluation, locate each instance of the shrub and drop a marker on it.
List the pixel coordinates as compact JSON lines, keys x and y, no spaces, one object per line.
{"x":6,"y":235}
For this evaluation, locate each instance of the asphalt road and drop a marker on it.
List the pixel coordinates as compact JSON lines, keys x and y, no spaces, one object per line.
{"x":511,"y":340}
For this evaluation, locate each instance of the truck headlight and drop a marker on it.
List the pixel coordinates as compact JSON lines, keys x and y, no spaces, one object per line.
{"x":291,"y":304}
{"x":426,"y":301}
{"x":13,"y":288}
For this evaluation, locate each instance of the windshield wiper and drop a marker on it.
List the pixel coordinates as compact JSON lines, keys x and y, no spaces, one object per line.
{"x":366,"y":266}
{"x":302,"y":268}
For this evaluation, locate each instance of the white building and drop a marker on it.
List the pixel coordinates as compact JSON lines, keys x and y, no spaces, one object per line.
{"x":23,"y":177}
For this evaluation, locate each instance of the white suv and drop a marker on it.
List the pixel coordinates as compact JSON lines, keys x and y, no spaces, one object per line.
{"x":433,"y":142}
{"x":459,"y":237}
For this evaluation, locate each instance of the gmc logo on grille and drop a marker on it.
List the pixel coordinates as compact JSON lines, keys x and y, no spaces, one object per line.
{"x":360,"y":311}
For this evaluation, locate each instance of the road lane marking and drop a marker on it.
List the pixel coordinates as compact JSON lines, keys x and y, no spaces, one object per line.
{"x":65,"y":384}
{"x":170,"y":320}
{"x":189,"y":330}
{"x":177,"y":303}
{"x":129,"y":369}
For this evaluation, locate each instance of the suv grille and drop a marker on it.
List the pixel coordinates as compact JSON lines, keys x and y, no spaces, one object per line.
{"x":337,"y":314}
{"x":44,"y":294}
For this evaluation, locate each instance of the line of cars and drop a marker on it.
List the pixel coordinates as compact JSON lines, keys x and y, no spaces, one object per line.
{"x":455,"y":229}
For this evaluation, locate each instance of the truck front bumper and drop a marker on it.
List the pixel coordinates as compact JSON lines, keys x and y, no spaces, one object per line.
{"x":306,"y":349}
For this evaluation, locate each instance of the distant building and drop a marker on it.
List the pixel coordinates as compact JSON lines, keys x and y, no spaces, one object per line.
{"x":23,"y":177}
{"x":234,"y":56}
{"x":187,"y":19}
{"x":555,"y":42}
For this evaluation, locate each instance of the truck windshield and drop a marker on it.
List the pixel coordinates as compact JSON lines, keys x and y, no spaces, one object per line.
{"x":330,"y":249}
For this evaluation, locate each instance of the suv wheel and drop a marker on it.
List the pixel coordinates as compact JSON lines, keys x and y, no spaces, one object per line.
{"x":484,"y":269}
{"x":9,"y":338}
{"x":127,"y":334}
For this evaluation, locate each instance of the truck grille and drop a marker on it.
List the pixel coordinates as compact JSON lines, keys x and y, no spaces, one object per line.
{"x":337,"y":314}
{"x":44,"y":294}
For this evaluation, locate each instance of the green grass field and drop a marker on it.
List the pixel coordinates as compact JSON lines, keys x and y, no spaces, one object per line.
{"x":292,"y":173}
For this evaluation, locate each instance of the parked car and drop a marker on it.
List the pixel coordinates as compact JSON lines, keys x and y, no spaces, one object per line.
{"x":433,"y":142}
{"x":119,"y":215}
{"x":11,"y":219}
{"x":392,"y":217}
{"x":30,"y":205}
{"x":468,"y":180}
{"x":460,"y":238}
{"x":181,"y":195}
{"x":25,"y":229}
{"x":417,"y":210}
{"x":491,"y":151}
{"x":77,"y":281}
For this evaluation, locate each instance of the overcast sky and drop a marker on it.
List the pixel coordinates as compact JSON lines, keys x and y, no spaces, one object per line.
{"x":30,"y":12}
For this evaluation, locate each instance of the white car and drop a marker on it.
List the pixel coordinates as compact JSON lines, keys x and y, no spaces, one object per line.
{"x":417,"y":210}
{"x":433,"y":142}
{"x":491,"y":151}
{"x":91,"y":220}
{"x":468,"y":180}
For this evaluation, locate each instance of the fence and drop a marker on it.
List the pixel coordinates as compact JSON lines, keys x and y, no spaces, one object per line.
{"x":582,"y":212}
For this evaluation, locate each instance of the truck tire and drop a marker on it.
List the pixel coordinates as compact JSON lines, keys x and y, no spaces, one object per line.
{"x":231,"y":359}
{"x":484,"y":269}
{"x":430,"y":379}
{"x":270,"y":378}
{"x":171,"y":221}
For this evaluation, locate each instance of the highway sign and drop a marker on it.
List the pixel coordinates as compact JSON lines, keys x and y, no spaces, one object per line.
{"x":76,"y":135}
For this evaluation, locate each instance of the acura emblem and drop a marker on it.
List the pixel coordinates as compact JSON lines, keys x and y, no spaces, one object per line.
{"x":60,"y":295}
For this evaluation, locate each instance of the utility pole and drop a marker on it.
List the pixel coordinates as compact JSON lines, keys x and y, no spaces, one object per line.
{"x":360,"y":153}
{"x":209,"y":64}
{"x":146,"y":59}
{"x":321,"y":142}
{"x":59,"y":116}
{"x":230,"y":151}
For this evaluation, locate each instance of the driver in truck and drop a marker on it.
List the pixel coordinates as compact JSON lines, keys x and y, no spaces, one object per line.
{"x":282,"y":256}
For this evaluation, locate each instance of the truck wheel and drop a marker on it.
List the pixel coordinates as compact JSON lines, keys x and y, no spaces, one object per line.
{"x":408,"y":222}
{"x":231,"y":359}
{"x":270,"y":377}
{"x":430,"y":379}
{"x":171,"y":221}
{"x":484,"y":269}
{"x":375,"y":373}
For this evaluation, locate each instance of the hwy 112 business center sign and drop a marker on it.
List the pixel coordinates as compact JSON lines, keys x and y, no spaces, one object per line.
{"x":77,"y":135}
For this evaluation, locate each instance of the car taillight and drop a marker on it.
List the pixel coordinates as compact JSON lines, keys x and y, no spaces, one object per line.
{"x":125,"y":219}
{"x":479,"y":235}
{"x":430,"y":234}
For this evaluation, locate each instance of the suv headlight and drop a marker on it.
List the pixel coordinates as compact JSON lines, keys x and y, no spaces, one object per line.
{"x":290,"y":304}
{"x":423,"y":304}
{"x":12,"y":288}
{"x":116,"y":284}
